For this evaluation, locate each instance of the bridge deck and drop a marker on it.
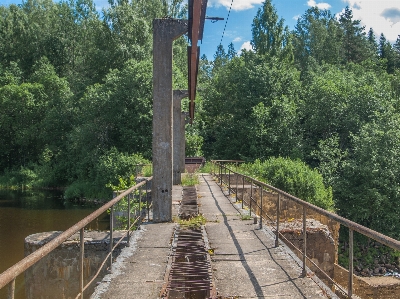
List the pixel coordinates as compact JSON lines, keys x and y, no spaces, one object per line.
{"x":245,"y":262}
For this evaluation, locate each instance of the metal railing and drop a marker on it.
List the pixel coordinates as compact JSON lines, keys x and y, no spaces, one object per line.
{"x":223,"y":167}
{"x":9,"y":276}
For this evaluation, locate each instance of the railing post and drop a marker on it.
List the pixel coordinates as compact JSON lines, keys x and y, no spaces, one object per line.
{"x":147,"y":202}
{"x":229,"y":182}
{"x":111,"y":234}
{"x":261,"y":206}
{"x":243,"y":191}
{"x":225,"y":171}
{"x":278,"y":215}
{"x":140,"y":204}
{"x":129,"y":218}
{"x":82,"y":255}
{"x":220,"y":174}
{"x":304,"y":242}
{"x":11,"y":289}
{"x":236,"y":196}
{"x":251,"y":194}
{"x":350,"y":286}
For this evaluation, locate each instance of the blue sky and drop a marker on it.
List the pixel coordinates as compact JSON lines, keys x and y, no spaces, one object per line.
{"x":382,"y":15}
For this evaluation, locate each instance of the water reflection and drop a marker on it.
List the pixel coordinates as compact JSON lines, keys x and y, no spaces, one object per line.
{"x":23,"y":213}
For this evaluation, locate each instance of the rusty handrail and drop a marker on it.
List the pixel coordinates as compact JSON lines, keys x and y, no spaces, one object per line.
{"x":11,"y":273}
{"x":393,"y":243}
{"x":353,"y":226}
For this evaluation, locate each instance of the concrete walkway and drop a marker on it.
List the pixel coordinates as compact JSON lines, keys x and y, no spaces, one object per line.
{"x":245,"y":262}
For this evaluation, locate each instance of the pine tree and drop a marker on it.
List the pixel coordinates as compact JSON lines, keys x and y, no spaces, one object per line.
{"x":270,"y":36}
{"x":231,"y":51}
{"x":355,"y":47}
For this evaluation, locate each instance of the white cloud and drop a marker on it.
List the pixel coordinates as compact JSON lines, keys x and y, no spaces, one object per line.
{"x":296,"y":17}
{"x":236,"y":5}
{"x":322,"y":5}
{"x":383,"y":16}
{"x":245,"y":46}
{"x":237,"y":39}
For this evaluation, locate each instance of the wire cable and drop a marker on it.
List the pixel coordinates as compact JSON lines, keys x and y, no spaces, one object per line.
{"x":229,"y":12}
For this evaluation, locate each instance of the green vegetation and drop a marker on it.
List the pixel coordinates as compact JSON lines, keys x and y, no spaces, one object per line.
{"x":190,"y":179}
{"x":246,"y":217}
{"x":296,"y":178}
{"x":206,"y":168}
{"x":76,"y":92}
{"x":76,"y":103}
{"x":194,"y":222}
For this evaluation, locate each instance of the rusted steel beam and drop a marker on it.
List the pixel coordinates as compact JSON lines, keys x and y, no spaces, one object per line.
{"x":197,"y":11}
{"x":203,"y":18}
{"x":11,"y":273}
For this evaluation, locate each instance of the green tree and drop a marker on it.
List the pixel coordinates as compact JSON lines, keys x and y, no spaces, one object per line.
{"x":354,"y":42}
{"x":368,"y":190}
{"x":269,"y":35}
{"x":317,"y":34}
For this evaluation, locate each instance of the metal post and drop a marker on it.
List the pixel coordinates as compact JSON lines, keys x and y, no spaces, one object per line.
{"x":220,"y":174}
{"x":82,"y":239}
{"x":140,"y":203}
{"x":225,"y":172}
{"x":350,"y":286}
{"x":251,"y":194}
{"x":11,"y":289}
{"x":129,"y":218}
{"x":229,"y":182}
{"x":261,"y":209}
{"x":243,"y":192}
{"x":278,"y":212}
{"x":147,"y":202}
{"x":111,"y":234}
{"x":304,"y":242}
{"x":236,"y":196}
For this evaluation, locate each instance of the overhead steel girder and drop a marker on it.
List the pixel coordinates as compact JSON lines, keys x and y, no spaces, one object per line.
{"x":197,"y":14}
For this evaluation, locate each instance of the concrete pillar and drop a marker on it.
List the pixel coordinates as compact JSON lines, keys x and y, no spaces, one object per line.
{"x":165,"y":31}
{"x":183,"y":141}
{"x":177,"y":134}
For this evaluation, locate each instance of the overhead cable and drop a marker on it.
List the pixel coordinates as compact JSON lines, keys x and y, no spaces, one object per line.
{"x":229,"y":12}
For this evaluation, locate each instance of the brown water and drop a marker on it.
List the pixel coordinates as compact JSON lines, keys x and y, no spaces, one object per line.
{"x":29,"y":212}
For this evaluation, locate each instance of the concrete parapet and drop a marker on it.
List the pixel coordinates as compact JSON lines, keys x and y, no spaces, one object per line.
{"x":57,"y":274}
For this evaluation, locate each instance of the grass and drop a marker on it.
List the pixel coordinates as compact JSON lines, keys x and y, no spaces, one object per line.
{"x":190,"y":179}
{"x":246,"y":217}
{"x":206,"y":168}
{"x":194,"y":222}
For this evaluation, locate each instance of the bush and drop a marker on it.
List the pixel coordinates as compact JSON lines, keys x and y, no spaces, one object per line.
{"x":108,"y":171}
{"x":293,"y":177}
{"x":16,"y":178}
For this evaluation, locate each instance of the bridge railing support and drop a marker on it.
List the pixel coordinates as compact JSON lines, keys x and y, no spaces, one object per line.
{"x":224,"y":168}
{"x":7,"y":278}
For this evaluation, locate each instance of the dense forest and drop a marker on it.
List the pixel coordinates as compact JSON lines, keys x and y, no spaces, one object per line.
{"x":76,"y":100}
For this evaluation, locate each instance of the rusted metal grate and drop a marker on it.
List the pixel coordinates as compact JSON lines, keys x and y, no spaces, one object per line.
{"x":190,"y":270}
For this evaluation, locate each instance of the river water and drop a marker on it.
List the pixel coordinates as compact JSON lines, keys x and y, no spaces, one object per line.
{"x":23,"y":213}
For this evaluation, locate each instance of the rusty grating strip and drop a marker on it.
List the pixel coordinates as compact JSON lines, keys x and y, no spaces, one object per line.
{"x":189,"y":273}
